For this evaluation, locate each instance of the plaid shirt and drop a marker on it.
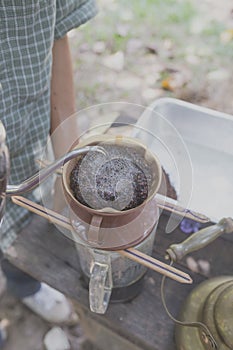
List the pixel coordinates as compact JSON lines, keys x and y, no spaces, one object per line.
{"x":27,"y":31}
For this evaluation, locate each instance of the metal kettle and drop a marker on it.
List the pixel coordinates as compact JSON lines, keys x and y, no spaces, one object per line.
{"x":32,"y":182}
{"x":211,"y":303}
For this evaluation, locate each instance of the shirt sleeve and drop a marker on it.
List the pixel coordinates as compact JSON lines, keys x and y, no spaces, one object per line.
{"x":71,"y":14}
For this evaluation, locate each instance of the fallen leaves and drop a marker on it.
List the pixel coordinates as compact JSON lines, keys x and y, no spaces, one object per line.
{"x":122,"y":29}
{"x":99,"y":47}
{"x":133,"y":45}
{"x":152,"y":48}
{"x":218,"y":75}
{"x":168,"y":84}
{"x":175,"y":80}
{"x":128,"y":81}
{"x":115,"y":61}
{"x":227,"y":36}
{"x":149,"y":94}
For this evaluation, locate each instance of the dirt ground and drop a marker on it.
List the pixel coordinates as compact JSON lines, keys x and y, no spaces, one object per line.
{"x":137,"y":53}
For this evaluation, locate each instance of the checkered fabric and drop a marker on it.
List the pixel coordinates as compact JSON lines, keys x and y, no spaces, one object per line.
{"x":27,"y":31}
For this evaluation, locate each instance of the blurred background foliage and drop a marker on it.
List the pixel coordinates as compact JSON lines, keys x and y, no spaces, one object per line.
{"x":140,"y":50}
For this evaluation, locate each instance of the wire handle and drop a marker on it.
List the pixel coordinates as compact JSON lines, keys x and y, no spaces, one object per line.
{"x":206,"y":334}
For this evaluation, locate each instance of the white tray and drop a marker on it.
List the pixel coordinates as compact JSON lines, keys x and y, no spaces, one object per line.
{"x":195,"y":147}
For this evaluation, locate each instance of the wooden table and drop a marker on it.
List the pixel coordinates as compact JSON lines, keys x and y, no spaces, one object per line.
{"x":43,"y":252}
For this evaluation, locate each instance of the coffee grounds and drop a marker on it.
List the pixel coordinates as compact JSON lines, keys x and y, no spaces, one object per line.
{"x":117,"y":178}
{"x":132,"y":178}
{"x":119,"y":183}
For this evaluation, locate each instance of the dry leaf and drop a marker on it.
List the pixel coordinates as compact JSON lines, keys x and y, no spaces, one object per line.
{"x":152,"y":48}
{"x":99,"y":47}
{"x":218,"y":75}
{"x":176,"y":80}
{"x":133,"y":45}
{"x":115,"y":61}
{"x":123,"y":30}
{"x":167,"y":84}
{"x":149,"y":95}
{"x":226,"y":36}
{"x":127,"y":81}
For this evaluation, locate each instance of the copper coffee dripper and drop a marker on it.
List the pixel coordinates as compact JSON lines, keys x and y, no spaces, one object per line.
{"x":109,"y":228}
